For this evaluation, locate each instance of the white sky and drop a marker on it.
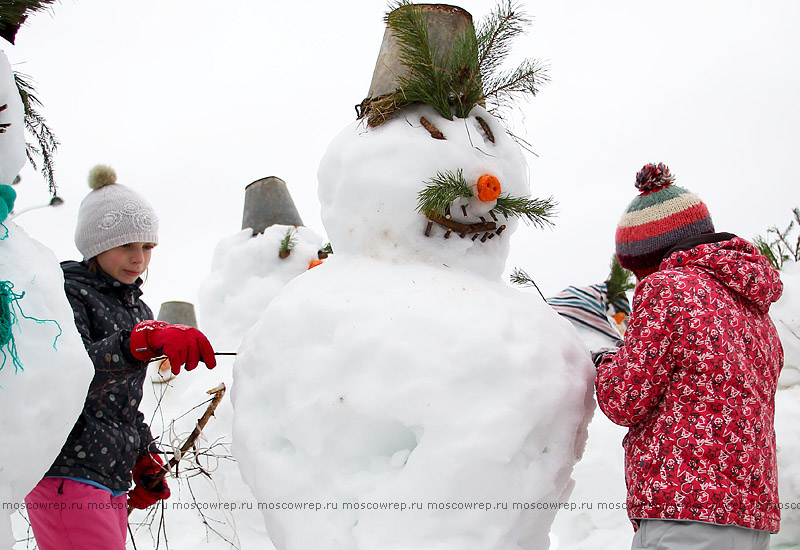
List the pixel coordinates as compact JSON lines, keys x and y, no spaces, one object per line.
{"x":191,"y":100}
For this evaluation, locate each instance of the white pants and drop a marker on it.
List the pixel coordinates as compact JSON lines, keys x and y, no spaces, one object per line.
{"x":656,"y":534}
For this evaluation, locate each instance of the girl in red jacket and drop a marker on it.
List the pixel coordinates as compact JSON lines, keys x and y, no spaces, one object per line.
{"x":695,"y":379}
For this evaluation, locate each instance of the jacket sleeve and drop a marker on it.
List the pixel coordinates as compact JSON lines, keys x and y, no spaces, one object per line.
{"x":108,"y":354}
{"x":631,"y":382}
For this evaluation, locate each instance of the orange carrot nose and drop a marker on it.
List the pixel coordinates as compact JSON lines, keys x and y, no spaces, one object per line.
{"x":619,"y":317}
{"x":488,"y":188}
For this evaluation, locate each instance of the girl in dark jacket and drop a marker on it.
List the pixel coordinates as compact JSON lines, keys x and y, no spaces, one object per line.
{"x":82,"y":501}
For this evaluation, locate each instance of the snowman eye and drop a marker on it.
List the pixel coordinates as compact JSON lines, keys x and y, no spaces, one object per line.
{"x":432,"y":129}
{"x":487,"y":131}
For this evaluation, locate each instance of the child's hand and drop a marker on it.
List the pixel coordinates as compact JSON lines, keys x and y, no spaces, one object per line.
{"x":145,"y":493}
{"x":180,"y":343}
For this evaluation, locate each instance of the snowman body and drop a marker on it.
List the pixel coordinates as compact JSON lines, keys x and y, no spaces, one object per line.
{"x":40,"y":399}
{"x":401,"y":390}
{"x":44,"y":369}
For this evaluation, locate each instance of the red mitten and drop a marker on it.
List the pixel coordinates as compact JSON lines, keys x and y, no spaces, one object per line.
{"x":181,"y":344}
{"x":144,"y":493}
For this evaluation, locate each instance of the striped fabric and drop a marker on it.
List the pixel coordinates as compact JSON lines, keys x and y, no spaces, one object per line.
{"x":654,"y":222}
{"x":586,"y":306}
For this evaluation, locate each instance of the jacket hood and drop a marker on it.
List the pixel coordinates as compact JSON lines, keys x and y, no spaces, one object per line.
{"x":737,"y":264}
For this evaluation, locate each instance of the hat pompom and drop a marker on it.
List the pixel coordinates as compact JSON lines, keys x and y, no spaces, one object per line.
{"x":653,"y":177}
{"x":102,"y":175}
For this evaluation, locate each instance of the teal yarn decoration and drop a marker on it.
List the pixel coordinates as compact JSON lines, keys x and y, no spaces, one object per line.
{"x":7,"y":198}
{"x":9,"y":302}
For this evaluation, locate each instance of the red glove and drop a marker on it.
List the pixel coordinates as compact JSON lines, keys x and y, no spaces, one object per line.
{"x":181,"y":344}
{"x":144,"y":493}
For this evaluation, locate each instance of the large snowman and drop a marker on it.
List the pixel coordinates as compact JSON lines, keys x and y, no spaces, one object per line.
{"x":44,"y":369}
{"x":401,"y":395}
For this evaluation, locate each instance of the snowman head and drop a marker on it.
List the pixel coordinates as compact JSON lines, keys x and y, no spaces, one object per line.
{"x":12,"y":123}
{"x":373,"y":182}
{"x":429,"y":175}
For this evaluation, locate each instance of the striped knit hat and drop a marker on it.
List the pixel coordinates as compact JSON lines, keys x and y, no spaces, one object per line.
{"x":660,"y":217}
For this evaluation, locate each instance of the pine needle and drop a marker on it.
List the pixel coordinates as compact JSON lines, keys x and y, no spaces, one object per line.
{"x":781,"y":247}
{"x":288,"y":242}
{"x":36,"y":124}
{"x":441,"y":191}
{"x":455,"y":81}
{"x":13,"y":14}
{"x":520,"y":278}
{"x":619,"y":281}
{"x":535,"y":211}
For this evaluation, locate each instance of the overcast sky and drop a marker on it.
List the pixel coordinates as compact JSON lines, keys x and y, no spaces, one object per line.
{"x":191,"y":100}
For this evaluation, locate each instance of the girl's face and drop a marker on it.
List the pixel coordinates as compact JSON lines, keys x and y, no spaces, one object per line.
{"x":126,"y":263}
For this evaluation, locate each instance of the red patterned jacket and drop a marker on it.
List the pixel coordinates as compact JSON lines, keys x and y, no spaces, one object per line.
{"x":695,"y":383}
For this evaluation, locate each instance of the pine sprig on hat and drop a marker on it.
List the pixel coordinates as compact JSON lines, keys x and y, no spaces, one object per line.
{"x":653,"y":177}
{"x":447,"y":81}
{"x":455,"y":81}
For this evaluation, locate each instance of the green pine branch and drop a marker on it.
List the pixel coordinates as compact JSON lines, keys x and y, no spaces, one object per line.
{"x":14,"y":12}
{"x":520,"y":278}
{"x":781,"y":247}
{"x":526,"y":79}
{"x":288,"y":242}
{"x":441,"y":191}
{"x":619,"y":281}
{"x":36,"y":124}
{"x":453,"y":82}
{"x":535,"y":211}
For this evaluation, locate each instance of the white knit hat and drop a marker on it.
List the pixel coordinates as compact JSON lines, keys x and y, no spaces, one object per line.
{"x":112,"y":215}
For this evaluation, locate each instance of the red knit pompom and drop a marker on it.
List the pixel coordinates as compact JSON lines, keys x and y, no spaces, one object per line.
{"x":653,"y":177}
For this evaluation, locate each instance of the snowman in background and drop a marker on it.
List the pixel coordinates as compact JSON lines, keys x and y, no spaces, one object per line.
{"x":401,"y":395}
{"x":248,"y":269}
{"x":44,"y":369}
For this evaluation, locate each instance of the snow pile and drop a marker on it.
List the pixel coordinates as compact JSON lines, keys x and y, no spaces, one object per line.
{"x":40,"y":402}
{"x":597,"y":517}
{"x":401,"y":395}
{"x":787,"y":408}
{"x":786,"y":316}
{"x":210,"y":504}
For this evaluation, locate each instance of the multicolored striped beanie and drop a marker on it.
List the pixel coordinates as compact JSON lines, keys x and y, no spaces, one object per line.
{"x":659,"y":218}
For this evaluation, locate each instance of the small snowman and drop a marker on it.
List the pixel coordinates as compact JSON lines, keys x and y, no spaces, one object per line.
{"x":249,"y":268}
{"x":401,"y":395}
{"x":44,"y":369}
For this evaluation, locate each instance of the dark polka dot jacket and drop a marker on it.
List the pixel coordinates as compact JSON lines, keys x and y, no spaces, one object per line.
{"x":695,"y":383}
{"x":110,"y":433}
